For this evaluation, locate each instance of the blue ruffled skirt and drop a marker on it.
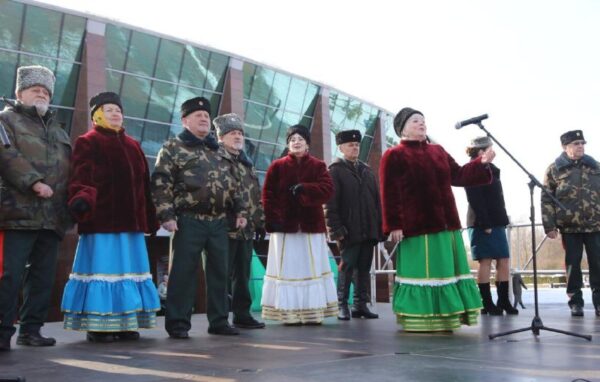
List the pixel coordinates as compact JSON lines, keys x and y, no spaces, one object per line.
{"x":110,"y":288}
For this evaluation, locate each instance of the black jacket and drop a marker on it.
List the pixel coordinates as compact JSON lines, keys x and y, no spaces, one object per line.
{"x":486,"y":204}
{"x":354,"y":212}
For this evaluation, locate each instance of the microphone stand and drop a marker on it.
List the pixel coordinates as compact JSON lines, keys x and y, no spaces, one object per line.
{"x":536,"y":324}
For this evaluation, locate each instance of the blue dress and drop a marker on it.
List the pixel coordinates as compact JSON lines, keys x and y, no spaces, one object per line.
{"x":110,"y":288}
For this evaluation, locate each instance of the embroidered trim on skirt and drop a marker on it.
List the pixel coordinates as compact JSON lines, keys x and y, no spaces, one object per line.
{"x":110,"y":288}
{"x":298,"y":285}
{"x":434,"y":289}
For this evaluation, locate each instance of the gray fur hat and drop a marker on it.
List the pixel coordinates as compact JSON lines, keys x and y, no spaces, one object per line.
{"x":226,"y":123}
{"x":28,"y":76}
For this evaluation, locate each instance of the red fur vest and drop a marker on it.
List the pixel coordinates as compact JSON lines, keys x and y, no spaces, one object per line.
{"x":109,"y":171}
{"x":416,"y":179}
{"x":304,"y":212}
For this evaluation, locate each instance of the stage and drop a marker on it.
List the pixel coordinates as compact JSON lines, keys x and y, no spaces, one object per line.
{"x":358,"y":350}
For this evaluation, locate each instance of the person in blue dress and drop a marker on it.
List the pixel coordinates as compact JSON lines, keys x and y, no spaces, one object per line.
{"x":110,"y":293}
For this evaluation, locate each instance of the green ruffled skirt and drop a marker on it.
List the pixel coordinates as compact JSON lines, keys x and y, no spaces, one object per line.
{"x":434,"y":289}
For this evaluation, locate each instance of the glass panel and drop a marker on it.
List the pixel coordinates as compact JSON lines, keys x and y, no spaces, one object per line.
{"x":142,"y":54}
{"x":279,"y":91}
{"x":310,"y":101}
{"x":71,"y":43}
{"x":271,"y":125}
{"x":162,"y":100}
{"x":195,"y":63}
{"x":250,"y":148}
{"x":365,"y":148}
{"x":264,"y":156}
{"x":215,"y":101}
{"x":117,"y":44}
{"x":113,"y":81}
{"x":175,"y":129}
{"x":154,"y":136}
{"x":8,"y":73}
{"x":334,"y":148}
{"x":168,"y":64}
{"x":249,"y":71}
{"x":296,"y":95}
{"x":216,"y":74}
{"x":31,"y":60}
{"x":254,"y":121}
{"x":41,"y":31}
{"x":371,"y":122}
{"x":66,"y":84}
{"x":134,"y":128}
{"x":151,"y":163}
{"x":63,"y":118}
{"x":11,"y":19}
{"x":135,"y":96}
{"x":262,"y":85}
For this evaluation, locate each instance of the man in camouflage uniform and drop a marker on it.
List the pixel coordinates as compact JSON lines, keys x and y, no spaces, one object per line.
{"x":230,"y":131}
{"x":33,"y":206}
{"x":574,"y":179}
{"x":194,"y":185}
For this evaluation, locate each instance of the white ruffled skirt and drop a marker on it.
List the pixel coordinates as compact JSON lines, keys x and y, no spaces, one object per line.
{"x":298,"y":285}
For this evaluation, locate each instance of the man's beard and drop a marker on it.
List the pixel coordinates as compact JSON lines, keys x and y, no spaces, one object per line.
{"x":41,"y":107}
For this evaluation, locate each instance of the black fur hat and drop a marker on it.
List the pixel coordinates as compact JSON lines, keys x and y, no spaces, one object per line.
{"x":570,"y":136}
{"x":195,"y":104}
{"x":300,"y":130}
{"x":346,"y":136}
{"x":102,"y":99}
{"x":401,"y":118}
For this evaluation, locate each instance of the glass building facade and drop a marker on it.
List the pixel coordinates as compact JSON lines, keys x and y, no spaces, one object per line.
{"x":31,"y":35}
{"x":154,"y":75}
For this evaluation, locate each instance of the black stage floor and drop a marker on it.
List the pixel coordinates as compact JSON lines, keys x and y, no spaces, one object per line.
{"x":358,"y":350}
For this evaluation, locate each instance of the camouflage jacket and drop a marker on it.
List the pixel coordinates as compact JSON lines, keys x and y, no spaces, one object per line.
{"x":251,"y":195}
{"x":576,"y":184}
{"x":195,"y":177}
{"x":40,"y":151}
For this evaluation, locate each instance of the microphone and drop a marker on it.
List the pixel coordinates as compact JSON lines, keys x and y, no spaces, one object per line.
{"x":4,"y":140}
{"x":470,"y":121}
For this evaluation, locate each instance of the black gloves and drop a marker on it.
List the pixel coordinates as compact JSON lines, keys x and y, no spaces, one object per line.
{"x":79,"y":206}
{"x":296,"y":189}
{"x":260,"y":234}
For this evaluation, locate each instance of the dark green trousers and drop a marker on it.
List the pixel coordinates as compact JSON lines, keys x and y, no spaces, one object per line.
{"x":574,"y":243}
{"x":192,"y":237}
{"x":29,"y":261}
{"x":240,"y":256}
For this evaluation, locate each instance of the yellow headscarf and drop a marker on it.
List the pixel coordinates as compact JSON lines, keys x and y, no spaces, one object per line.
{"x":100,"y":120}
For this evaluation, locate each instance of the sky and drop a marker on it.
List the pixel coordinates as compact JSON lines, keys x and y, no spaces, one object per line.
{"x":532,"y":65}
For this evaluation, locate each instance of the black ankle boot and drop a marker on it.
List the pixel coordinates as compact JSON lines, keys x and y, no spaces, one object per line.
{"x":503,"y":300}
{"x":362,"y":310}
{"x":488,"y":303}
{"x":344,"y":313}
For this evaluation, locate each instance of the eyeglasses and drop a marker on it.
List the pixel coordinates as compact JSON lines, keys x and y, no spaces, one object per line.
{"x":578,"y":143}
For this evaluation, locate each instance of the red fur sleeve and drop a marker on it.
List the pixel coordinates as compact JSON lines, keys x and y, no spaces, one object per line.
{"x":320,"y":189}
{"x":473,"y":173}
{"x":81,"y":177}
{"x":391,"y":191}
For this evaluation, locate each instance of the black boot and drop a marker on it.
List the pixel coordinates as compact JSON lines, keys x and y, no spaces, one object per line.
{"x":503,"y":300}
{"x":488,"y":303}
{"x":343,"y":290}
{"x":360,"y":308}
